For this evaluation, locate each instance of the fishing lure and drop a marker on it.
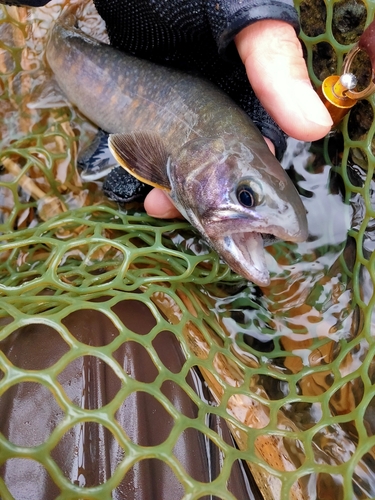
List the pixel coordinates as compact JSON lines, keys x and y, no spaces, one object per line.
{"x":338,"y":91}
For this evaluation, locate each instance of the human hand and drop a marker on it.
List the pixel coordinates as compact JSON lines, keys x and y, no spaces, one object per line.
{"x":272,"y":55}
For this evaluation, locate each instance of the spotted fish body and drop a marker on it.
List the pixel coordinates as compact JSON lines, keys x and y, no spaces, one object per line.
{"x":180,"y":133}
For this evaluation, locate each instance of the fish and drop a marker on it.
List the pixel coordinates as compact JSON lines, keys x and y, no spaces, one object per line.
{"x":179,"y":132}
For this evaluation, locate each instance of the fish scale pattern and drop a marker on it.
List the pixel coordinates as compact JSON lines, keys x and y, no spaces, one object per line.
{"x":129,"y":352}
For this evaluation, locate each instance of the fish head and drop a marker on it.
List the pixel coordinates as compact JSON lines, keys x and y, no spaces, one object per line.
{"x":234,"y":192}
{"x":240,"y":198}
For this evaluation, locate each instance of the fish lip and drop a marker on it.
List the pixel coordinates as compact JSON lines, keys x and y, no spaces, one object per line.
{"x":225,"y":222}
{"x":244,"y":253}
{"x":269,"y":234}
{"x":242,"y":247}
{"x":240,"y":235}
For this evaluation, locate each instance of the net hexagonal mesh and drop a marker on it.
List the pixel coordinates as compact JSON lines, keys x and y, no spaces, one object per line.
{"x":133,"y":363}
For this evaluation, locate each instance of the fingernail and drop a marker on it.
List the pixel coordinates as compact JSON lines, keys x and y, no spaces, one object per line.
{"x":168,"y":214}
{"x":313,"y":108}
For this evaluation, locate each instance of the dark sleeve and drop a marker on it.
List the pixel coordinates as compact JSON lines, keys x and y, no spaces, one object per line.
{"x":197,"y":35}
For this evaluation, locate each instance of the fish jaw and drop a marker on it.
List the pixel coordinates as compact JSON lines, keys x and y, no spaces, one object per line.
{"x":240,"y":245}
{"x":240,"y":240}
{"x":242,"y":249}
{"x":281,"y":221}
{"x":245,"y":255}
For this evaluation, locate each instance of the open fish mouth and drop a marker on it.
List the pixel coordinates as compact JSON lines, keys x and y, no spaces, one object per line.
{"x":243,"y":247}
{"x":245,"y":254}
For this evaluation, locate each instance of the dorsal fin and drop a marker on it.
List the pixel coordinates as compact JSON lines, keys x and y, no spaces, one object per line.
{"x":143,"y":155}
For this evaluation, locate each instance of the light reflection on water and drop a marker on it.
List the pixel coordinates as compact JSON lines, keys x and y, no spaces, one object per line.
{"x":309,"y":289}
{"x":304,"y":333}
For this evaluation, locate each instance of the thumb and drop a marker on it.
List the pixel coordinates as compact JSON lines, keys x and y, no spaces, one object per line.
{"x":274,"y":63}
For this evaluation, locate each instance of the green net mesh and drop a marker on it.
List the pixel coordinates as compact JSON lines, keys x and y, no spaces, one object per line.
{"x":133,"y":363}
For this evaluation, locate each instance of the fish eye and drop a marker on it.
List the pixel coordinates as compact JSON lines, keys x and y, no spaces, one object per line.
{"x":249,"y":194}
{"x":246,"y":196}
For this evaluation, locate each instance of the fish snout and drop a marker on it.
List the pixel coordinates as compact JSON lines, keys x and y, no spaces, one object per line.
{"x":297,"y":228}
{"x":289,"y":224}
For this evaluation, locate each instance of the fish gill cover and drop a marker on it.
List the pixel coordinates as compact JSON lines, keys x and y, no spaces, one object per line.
{"x":133,"y":363}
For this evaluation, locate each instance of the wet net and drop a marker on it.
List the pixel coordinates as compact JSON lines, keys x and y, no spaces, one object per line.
{"x":133,"y":363}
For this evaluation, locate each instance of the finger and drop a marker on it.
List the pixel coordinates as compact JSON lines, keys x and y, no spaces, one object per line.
{"x":274,"y":63}
{"x":158,"y":204}
{"x":270,"y":144}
